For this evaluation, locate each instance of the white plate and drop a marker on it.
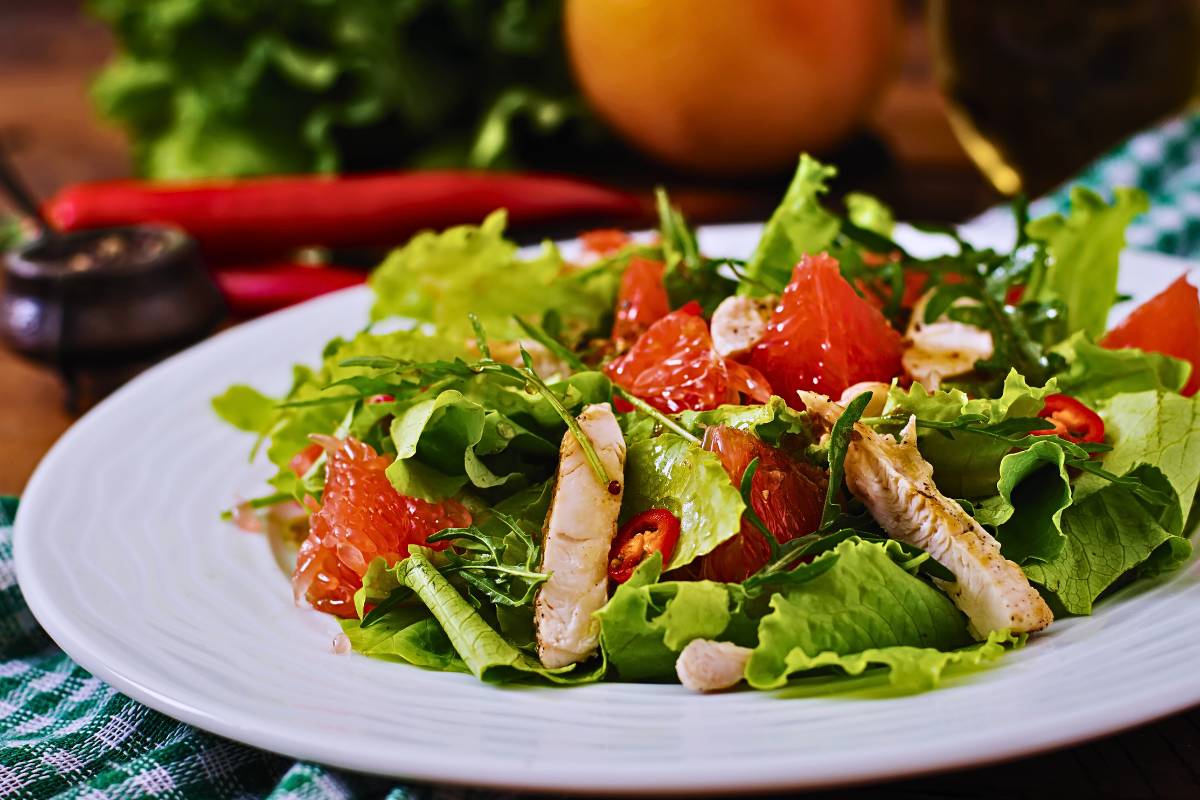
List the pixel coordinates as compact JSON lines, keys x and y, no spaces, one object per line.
{"x":123,"y":560}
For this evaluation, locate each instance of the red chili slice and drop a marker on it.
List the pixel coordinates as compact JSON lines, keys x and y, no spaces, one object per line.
{"x":1072,"y":420}
{"x":653,"y":531}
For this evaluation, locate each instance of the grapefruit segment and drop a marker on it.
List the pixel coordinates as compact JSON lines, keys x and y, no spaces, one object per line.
{"x":823,"y":337}
{"x":360,"y":518}
{"x":1167,"y":323}
{"x":674,"y":368}
{"x":788,"y":496}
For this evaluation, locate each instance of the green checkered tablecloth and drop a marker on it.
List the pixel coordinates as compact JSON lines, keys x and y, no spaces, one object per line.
{"x":65,"y":733}
{"x":1165,"y":163}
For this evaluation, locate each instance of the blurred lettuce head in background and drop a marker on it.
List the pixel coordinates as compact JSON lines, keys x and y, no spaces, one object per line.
{"x":251,"y":87}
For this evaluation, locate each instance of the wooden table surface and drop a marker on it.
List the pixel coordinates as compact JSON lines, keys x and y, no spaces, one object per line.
{"x":48,"y":51}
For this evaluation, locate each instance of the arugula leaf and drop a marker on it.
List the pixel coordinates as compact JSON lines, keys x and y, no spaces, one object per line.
{"x":326,"y":399}
{"x":1034,"y":490}
{"x":672,"y":473}
{"x":688,"y":275}
{"x":866,"y":609}
{"x":839,"y":443}
{"x":441,"y":278}
{"x":1096,"y":373}
{"x":1108,"y":534}
{"x":798,"y":226}
{"x":1083,"y":249}
{"x":487,"y":654}
{"x":1158,"y":428}
{"x":646,"y":624}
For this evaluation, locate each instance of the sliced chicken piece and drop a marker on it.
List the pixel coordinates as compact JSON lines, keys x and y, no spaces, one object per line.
{"x":943,"y":348}
{"x":896,"y":484}
{"x":739,"y":323}
{"x":578,"y":534}
{"x":708,"y":666}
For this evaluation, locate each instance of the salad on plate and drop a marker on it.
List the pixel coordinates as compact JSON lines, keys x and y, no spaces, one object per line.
{"x":646,"y":464}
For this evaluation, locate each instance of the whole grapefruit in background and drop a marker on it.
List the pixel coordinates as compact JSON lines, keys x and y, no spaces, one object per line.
{"x":731,"y":86}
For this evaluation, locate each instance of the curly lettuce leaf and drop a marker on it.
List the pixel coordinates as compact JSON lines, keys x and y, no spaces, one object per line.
{"x":867,"y":609}
{"x":1034,"y":490}
{"x":966,"y":465}
{"x":486,"y":654}
{"x":646,"y":624}
{"x":246,"y":408}
{"x":1095,"y":373}
{"x":910,"y":669}
{"x":798,"y":226}
{"x":406,"y":634}
{"x":1083,"y":252}
{"x":316,"y":405}
{"x":483,"y":434}
{"x":1109,"y":534}
{"x":670,"y":472}
{"x":770,"y":421}
{"x":870,"y":213}
{"x":441,"y":278}
{"x":1157,"y":428}
{"x":207,"y":88}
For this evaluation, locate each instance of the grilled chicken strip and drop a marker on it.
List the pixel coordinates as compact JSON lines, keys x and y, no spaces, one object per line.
{"x":579,"y":532}
{"x":896,"y":484}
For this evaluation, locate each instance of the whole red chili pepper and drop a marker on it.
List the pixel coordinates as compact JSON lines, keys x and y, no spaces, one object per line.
{"x":276,"y":215}
{"x":259,"y":288}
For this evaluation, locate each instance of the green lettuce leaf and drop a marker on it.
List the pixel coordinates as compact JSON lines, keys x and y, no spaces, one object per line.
{"x":770,"y":421}
{"x":483,"y":434}
{"x":866,"y":609}
{"x":206,"y":87}
{"x":646,"y":624}
{"x":1034,"y":490}
{"x":317,"y":406}
{"x":798,"y":226}
{"x":407,"y":634}
{"x":1162,"y":429}
{"x":670,"y":472}
{"x":246,"y":408}
{"x":869,"y":213}
{"x":441,"y":278}
{"x":486,"y":654}
{"x":966,"y":465}
{"x":1096,"y":373}
{"x":1084,"y":248}
{"x":1110,"y":533}
{"x":910,"y":669}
